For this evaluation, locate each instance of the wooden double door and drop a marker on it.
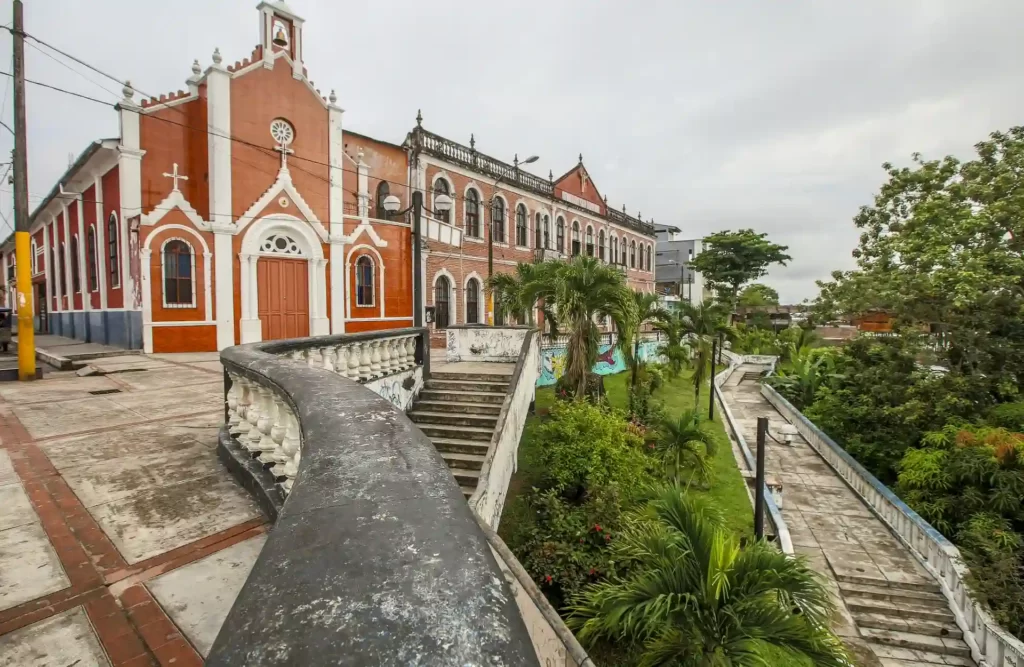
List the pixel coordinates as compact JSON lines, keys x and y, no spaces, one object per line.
{"x":283,"y":289}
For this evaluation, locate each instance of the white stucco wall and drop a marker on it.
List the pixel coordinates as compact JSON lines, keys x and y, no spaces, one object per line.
{"x":485,"y":344}
{"x":392,"y":387}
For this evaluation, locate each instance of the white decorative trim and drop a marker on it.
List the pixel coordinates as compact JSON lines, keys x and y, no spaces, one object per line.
{"x":490,"y":212}
{"x":515,"y":214}
{"x":163,"y":274}
{"x":481,"y":212}
{"x":373,"y":277}
{"x":117,"y":242}
{"x":348,"y":272}
{"x":481,"y":308}
{"x":453,"y":301}
{"x":174,"y":200}
{"x":283,"y":184}
{"x":365,"y":227}
{"x":185,"y":323}
{"x":442,"y":176}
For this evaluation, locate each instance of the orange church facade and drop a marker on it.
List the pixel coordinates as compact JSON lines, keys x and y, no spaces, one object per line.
{"x":240,"y":210}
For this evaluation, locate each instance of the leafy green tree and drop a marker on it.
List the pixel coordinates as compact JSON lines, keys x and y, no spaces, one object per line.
{"x":732,"y":259}
{"x":758,"y":294}
{"x":687,"y":443}
{"x":675,"y":326}
{"x":647,"y":308}
{"x":691,"y":596}
{"x":516,"y":294}
{"x":703,"y":322}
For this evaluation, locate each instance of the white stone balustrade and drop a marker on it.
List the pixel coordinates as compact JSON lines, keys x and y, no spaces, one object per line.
{"x":362,"y":361}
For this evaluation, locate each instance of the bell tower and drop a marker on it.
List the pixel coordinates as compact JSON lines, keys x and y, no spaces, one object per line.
{"x":281,"y":32}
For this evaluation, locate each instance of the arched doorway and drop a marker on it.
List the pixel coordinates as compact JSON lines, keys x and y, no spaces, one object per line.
{"x":282,"y":285}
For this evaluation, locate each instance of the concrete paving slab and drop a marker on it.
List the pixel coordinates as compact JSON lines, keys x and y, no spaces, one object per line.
{"x":131,"y":441}
{"x":30,"y":567}
{"x":199,"y":595}
{"x":64,"y":640}
{"x":151,"y":522}
{"x":17,"y":509}
{"x":214,"y":366}
{"x":187,"y":357}
{"x":167,"y":376}
{"x":66,"y":387}
{"x":42,"y":421}
{"x":7,"y":474}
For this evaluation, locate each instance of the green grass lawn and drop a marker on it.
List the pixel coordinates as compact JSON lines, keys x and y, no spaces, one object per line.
{"x":727,"y":489}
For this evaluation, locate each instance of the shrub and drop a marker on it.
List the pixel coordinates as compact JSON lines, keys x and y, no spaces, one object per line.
{"x":584,"y":447}
{"x":594,"y":393}
{"x":1007,"y":415}
{"x":644,"y":410}
{"x":992,"y":551}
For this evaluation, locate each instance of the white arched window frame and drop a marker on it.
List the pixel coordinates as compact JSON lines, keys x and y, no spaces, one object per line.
{"x":536,"y":231}
{"x":499,"y":219}
{"x":613,"y":249}
{"x":113,"y":256}
{"x":473,"y":312}
{"x":575,"y":247}
{"x":648,"y":264}
{"x":453,"y":302}
{"x":632,"y":254}
{"x":441,"y":185}
{"x":366,"y":285}
{"x":589,"y":244}
{"x":600,"y":245}
{"x":547,"y":232}
{"x":163,"y":273}
{"x":522,"y":226}
{"x":560,"y":234}
{"x":34,"y":264}
{"x":472,"y":213}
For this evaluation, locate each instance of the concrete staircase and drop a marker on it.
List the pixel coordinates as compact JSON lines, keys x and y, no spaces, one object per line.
{"x":458,"y":411}
{"x":906,"y":624}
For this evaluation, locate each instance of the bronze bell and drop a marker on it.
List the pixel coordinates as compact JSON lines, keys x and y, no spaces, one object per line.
{"x":280,"y":39}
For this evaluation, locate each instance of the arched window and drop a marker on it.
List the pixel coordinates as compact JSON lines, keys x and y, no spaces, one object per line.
{"x":613,"y":248}
{"x":34,"y":264}
{"x":364,"y":281}
{"x":473,"y":301}
{"x":76,"y":281}
{"x":560,"y":234}
{"x":547,"y":233}
{"x":383,"y":190}
{"x":112,"y":255}
{"x":522,"y":238}
{"x":441,"y":188}
{"x":53,"y":263}
{"x":63,"y":280}
{"x":442,"y":295}
{"x":536,"y":231}
{"x":178,"y":267}
{"x":600,"y":245}
{"x":473,"y":213}
{"x":498,"y":220}
{"x":575,"y":238}
{"x":632,"y":254}
{"x":590,"y":241}
{"x":91,"y":259}
{"x":648,"y":258}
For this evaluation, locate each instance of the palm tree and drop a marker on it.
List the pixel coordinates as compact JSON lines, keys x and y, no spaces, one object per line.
{"x":648,"y":307}
{"x":704,"y":322}
{"x":691,"y":596}
{"x":685,"y":442}
{"x":674,"y":325}
{"x":516,"y":294}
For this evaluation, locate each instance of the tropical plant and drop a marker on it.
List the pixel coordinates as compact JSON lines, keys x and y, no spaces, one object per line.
{"x":732,"y":259}
{"x":647,"y":308}
{"x":689,"y":595}
{"x":703,"y":322}
{"x":674,"y":324}
{"x":803,"y":374}
{"x":516,"y":294}
{"x":686,"y":443}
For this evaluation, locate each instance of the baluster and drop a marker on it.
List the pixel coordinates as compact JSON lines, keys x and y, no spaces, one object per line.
{"x":253,"y":436}
{"x":232,"y":401}
{"x":277,"y":431}
{"x":342,"y":363}
{"x":290,"y":447}
{"x":314,"y":359}
{"x":364,"y":362}
{"x":330,"y":359}
{"x":385,"y":356}
{"x":353,"y":361}
{"x":410,"y":351}
{"x":398,"y":355}
{"x":268,"y":415}
{"x":244,"y":398}
{"x":298,"y":355}
{"x":375,"y":358}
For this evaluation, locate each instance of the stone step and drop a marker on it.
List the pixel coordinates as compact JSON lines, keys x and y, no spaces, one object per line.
{"x":890,"y":594}
{"x":467,"y":461}
{"x":940,"y":645}
{"x":908,"y":657}
{"x":938,"y":611}
{"x":503,"y":378}
{"x":453,"y":419}
{"x":447,"y":432}
{"x":915,"y":626}
{"x":453,"y":406}
{"x":928,"y":587}
{"x":464,"y":385}
{"x":466,"y":478}
{"x":486,"y":397}
{"x":459,"y":446}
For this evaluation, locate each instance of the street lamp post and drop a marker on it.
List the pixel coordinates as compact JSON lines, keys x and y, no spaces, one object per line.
{"x":392,"y":204}
{"x":490,"y":238}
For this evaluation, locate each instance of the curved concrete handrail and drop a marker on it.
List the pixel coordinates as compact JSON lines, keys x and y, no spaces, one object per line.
{"x":375,"y":558}
{"x":989,"y":643}
{"x":774,"y":513}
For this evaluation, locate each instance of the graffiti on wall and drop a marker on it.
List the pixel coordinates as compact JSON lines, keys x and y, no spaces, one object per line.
{"x":609,"y":361}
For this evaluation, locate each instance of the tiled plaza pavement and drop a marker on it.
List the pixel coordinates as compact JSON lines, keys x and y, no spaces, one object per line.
{"x":829,"y":524}
{"x":123,"y":541}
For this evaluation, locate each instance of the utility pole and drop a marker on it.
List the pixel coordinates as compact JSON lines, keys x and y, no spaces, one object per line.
{"x":711,"y":403}
{"x":22,"y":249}
{"x":759,"y":478}
{"x":417,"y":259}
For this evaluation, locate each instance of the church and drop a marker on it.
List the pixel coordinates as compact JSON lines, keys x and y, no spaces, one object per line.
{"x":238,"y":210}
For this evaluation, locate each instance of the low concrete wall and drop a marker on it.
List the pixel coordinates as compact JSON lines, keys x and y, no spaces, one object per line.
{"x":399,"y":388}
{"x":482,"y":343}
{"x":989,"y":643}
{"x":502,"y":456}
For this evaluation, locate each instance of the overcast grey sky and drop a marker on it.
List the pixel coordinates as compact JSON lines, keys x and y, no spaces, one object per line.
{"x":708,"y":115}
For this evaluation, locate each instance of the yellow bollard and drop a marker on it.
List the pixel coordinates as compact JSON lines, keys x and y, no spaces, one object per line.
{"x":23,"y":304}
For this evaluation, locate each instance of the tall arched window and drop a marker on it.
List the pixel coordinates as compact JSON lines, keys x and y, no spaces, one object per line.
{"x":522,"y":237}
{"x":560,"y":234}
{"x":613,"y":247}
{"x":632,"y":254}
{"x":441,"y":188}
{"x":178,"y":268}
{"x":473,"y":301}
{"x":91,"y":259}
{"x":112,"y":254}
{"x":600,"y":245}
{"x":34,"y":263}
{"x":547,"y":233}
{"x":473,"y":213}
{"x":498,"y":220}
{"x":76,"y":281}
{"x":53,"y":263}
{"x":442,"y":296}
{"x":575,"y":238}
{"x":536,"y":231}
{"x":364,"y":281}
{"x":648,"y":263}
{"x":63,"y":279}
{"x":383,"y":190}
{"x":590,"y":241}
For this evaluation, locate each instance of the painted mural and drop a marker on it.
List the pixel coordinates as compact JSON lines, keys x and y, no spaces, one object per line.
{"x":609,"y":361}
